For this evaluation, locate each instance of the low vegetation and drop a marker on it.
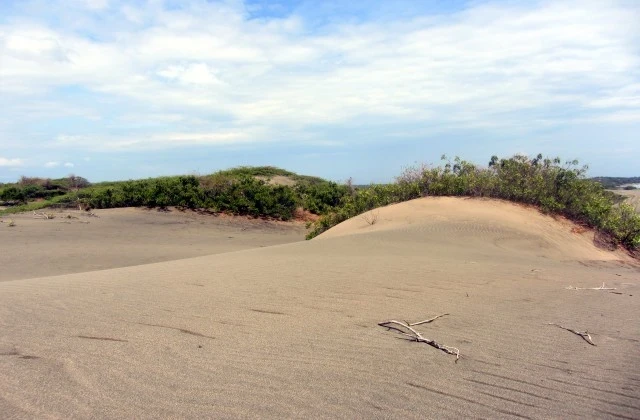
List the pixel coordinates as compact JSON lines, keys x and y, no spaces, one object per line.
{"x":552,"y":186}
{"x":239,"y":191}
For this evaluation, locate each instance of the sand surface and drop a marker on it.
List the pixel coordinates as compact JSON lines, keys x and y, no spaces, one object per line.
{"x":633,"y":197}
{"x":290,"y":331}
{"x":74,"y":242}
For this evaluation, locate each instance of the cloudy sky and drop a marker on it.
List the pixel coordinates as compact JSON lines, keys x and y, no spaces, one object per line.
{"x":115,"y":89}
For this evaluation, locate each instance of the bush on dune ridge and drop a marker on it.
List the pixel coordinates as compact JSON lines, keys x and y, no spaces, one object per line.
{"x":235,"y":191}
{"x":554,"y":187}
{"x":546,"y":183}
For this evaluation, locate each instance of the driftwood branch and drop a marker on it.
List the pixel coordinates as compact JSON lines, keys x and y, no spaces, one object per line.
{"x":405,"y":329}
{"x":585,"y":335}
{"x":590,"y":288}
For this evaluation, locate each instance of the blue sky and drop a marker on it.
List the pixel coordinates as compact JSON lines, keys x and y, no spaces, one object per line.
{"x":113,"y":89}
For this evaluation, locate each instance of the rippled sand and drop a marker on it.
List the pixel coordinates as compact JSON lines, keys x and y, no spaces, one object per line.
{"x":291,"y":330}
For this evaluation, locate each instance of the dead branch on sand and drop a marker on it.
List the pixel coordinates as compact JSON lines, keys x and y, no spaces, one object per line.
{"x":416,"y":336}
{"x":585,"y":335}
{"x":426,"y":321}
{"x":43,"y":215}
{"x":590,"y":288}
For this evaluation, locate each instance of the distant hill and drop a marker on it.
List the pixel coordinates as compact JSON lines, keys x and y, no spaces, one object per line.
{"x":616,"y":182}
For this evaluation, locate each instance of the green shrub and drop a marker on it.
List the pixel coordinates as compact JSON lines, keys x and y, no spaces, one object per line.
{"x":12,"y":194}
{"x":319,"y":198}
{"x":247,"y":195}
{"x":623,"y":223}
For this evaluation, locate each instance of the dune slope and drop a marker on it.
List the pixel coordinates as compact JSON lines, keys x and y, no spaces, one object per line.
{"x":291,"y":330}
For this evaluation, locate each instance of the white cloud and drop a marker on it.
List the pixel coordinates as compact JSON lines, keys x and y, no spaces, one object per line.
{"x":489,"y":67}
{"x":94,"y":4}
{"x":159,"y":141}
{"x":196,"y":74}
{"x":52,"y":164}
{"x":6,"y":162}
{"x":69,"y":165}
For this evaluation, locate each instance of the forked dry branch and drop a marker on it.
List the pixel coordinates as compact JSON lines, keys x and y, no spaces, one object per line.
{"x":585,"y":335}
{"x":403,"y":327}
{"x":591,"y":288}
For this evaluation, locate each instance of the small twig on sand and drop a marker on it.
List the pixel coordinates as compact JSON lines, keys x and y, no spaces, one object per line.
{"x":43,"y":215}
{"x":590,"y":288}
{"x":585,"y":335}
{"x":427,"y":321}
{"x":416,"y":336}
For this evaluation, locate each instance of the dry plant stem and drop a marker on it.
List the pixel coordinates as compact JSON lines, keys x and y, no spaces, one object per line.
{"x":426,"y":321}
{"x":585,"y":335}
{"x":591,"y":288}
{"x":416,"y":336}
{"x":42,"y":216}
{"x":371,"y":218}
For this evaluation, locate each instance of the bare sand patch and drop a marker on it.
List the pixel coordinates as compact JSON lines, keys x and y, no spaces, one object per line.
{"x":292,"y":330}
{"x":633,"y":197}
{"x":74,"y":242}
{"x":278,"y":180}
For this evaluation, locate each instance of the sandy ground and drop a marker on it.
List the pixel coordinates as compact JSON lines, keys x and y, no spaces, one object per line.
{"x":633,"y":197}
{"x":290,"y":331}
{"x":125,"y":237}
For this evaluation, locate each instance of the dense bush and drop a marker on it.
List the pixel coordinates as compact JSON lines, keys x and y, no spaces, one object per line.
{"x":248,"y":195}
{"x":241,"y":194}
{"x":33,"y":188}
{"x":235,"y":191}
{"x":319,"y":198}
{"x":182,"y":191}
{"x":12,"y":193}
{"x":546,"y":183}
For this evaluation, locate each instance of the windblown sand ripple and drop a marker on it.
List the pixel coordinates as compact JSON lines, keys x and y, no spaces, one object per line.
{"x":291,"y":330}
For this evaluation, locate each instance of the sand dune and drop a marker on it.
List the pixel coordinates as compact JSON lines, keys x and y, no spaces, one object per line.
{"x":291,"y":330}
